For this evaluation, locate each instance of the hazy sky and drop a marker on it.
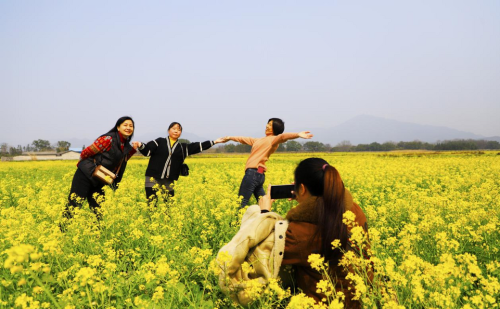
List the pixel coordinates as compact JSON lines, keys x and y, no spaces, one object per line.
{"x":69,"y":69}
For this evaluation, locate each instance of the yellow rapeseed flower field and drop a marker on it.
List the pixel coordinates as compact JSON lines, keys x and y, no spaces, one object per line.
{"x":434,"y":224}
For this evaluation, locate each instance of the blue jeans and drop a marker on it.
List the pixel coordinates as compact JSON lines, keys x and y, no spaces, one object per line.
{"x":251,"y":184}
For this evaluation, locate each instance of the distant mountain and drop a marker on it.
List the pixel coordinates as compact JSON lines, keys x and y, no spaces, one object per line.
{"x":365,"y":129}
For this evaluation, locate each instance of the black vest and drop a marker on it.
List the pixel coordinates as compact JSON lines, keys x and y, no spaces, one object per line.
{"x":110,"y":159}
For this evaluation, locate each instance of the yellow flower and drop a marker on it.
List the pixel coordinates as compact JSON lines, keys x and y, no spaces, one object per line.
{"x":316,"y":261}
{"x":349,"y":218}
{"x":301,"y":301}
{"x":358,"y":236}
{"x":273,"y":285}
{"x":21,"y":282}
{"x":336,"y":304}
{"x":85,"y":276}
{"x":158,"y":294}
{"x":246,"y":268}
{"x":336,"y":243}
{"x":18,"y":255}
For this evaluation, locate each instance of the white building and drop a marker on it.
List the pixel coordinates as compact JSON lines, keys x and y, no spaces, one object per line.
{"x":43,"y":156}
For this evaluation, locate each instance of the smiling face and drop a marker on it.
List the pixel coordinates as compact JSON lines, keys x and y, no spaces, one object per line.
{"x":175,"y":132}
{"x":269,"y":128}
{"x":126,"y":128}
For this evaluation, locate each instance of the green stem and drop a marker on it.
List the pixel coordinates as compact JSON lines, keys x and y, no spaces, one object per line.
{"x":88,"y":296}
{"x":46,"y":290}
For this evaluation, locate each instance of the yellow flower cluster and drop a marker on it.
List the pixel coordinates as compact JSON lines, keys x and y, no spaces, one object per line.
{"x":433,"y":219}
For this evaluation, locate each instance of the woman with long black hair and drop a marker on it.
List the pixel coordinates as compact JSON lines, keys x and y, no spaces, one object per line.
{"x":315,"y":223}
{"x":111,"y":150}
{"x":267,"y":242}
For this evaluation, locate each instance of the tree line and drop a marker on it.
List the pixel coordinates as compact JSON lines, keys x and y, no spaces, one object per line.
{"x":38,"y":145}
{"x":290,"y":146}
{"x":346,"y":146}
{"x":41,"y":145}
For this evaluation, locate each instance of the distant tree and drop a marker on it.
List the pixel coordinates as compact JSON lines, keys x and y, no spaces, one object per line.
{"x":242,"y":148}
{"x":62,"y":146}
{"x":229,"y":147}
{"x":456,"y":145}
{"x":428,"y":146}
{"x":314,"y":146}
{"x":220,"y":149}
{"x":83,"y":147}
{"x":481,"y":144}
{"x":360,"y":147}
{"x":343,"y":146}
{"x":14,"y":151}
{"x":374,"y":147}
{"x":414,"y":145}
{"x":182,"y":140}
{"x":492,"y":145}
{"x":4,"y":148}
{"x":389,"y":146}
{"x":41,"y":145}
{"x":484,"y":144}
{"x":293,"y":146}
{"x":281,"y":148}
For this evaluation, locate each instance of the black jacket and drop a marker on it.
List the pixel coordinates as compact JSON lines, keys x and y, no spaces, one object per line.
{"x":110,"y":159}
{"x":166,"y":160}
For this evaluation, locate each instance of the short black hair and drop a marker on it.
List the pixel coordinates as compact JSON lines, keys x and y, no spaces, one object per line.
{"x":278,"y":125}
{"x":173,"y":124}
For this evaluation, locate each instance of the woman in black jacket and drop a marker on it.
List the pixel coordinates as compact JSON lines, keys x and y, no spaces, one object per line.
{"x":111,"y":150}
{"x":167,"y":156}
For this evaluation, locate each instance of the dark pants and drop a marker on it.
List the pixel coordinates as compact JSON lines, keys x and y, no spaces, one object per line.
{"x":251,"y":184}
{"x":82,"y":188}
{"x":166,"y":188}
{"x":153,"y":198}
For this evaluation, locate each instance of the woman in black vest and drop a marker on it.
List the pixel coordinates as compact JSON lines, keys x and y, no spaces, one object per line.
{"x":167,"y":155}
{"x":112,"y":150}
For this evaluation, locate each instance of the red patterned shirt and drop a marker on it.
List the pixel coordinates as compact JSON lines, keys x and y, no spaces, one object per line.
{"x":103,"y":144}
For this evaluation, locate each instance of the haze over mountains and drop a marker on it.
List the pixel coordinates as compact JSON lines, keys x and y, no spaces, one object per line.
{"x":365,"y":129}
{"x":362,"y":129}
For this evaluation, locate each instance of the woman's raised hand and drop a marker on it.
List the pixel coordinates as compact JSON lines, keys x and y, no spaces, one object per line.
{"x":220,"y":140}
{"x":305,"y":134}
{"x":136,"y":144}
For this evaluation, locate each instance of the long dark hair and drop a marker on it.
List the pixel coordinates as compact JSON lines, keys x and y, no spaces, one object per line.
{"x":119,"y":122}
{"x":323,"y":180}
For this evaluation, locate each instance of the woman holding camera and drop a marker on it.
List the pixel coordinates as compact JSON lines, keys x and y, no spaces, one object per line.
{"x":111,"y":150}
{"x":313,"y":225}
{"x":167,"y":156}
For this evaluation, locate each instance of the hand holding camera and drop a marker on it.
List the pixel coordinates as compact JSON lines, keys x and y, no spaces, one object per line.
{"x":276,"y":192}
